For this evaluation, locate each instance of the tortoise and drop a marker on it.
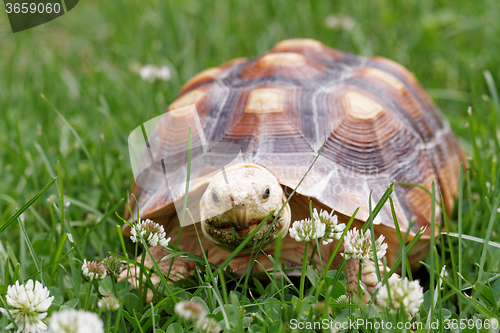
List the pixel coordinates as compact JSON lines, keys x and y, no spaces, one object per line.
{"x":372,"y":121}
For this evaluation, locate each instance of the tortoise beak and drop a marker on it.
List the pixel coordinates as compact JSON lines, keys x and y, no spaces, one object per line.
{"x":238,"y":200}
{"x":241,"y":218}
{"x":243,"y":221}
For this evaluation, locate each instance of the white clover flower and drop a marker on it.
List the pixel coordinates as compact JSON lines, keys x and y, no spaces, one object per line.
{"x":114,"y":266}
{"x":190,"y":310}
{"x":340,"y":22}
{"x":401,"y":293}
{"x":333,"y":230}
{"x":52,"y":199}
{"x":93,"y":270}
{"x":75,"y":321}
{"x":152,"y":232}
{"x":29,"y":304}
{"x":359,"y":247}
{"x":343,"y":299}
{"x":208,"y":325}
{"x":108,"y":304}
{"x":306,"y":230}
{"x":154,"y":73}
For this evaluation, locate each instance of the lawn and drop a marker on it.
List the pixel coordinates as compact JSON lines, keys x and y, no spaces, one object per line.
{"x":69,"y":98}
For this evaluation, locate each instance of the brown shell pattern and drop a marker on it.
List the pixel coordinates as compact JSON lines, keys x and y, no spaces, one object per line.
{"x":376,"y":121}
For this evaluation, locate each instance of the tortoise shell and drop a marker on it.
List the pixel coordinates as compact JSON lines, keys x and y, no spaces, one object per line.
{"x":374,"y":121}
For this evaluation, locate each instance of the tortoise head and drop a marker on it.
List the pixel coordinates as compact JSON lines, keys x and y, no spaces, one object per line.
{"x":236,"y":201}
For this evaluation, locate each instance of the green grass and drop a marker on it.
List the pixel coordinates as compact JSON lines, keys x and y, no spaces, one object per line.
{"x":81,"y":64}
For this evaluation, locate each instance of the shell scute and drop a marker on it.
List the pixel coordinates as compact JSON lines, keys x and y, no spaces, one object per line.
{"x":374,"y":119}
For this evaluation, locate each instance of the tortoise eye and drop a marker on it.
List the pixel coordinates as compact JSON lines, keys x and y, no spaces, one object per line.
{"x":266,"y":194}
{"x":215,"y":198}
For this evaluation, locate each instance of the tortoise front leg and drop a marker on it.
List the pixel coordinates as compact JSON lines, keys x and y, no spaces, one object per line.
{"x":180,"y":268}
{"x":369,"y":280}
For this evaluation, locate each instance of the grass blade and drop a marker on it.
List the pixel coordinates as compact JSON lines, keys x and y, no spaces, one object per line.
{"x":59,"y":175}
{"x":488,"y":237}
{"x":26,"y":206}
{"x":493,"y":89}
{"x":460,"y":228}
{"x":101,"y":176}
{"x":32,"y":251}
